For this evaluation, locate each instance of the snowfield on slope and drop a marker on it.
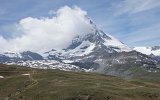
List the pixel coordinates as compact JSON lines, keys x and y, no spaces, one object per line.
{"x":148,"y":50}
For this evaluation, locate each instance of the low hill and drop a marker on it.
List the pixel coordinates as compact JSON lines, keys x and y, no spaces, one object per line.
{"x":22,"y":83}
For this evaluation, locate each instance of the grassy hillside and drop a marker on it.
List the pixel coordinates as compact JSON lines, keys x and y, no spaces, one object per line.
{"x":131,"y":71}
{"x":21,"y":83}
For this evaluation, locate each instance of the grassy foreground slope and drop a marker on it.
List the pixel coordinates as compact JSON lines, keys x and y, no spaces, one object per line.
{"x":21,"y":83}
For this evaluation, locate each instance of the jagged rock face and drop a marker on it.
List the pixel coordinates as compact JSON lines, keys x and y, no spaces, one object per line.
{"x":98,"y":38}
{"x":53,"y":57}
{"x":156,"y":48}
{"x":4,"y":58}
{"x":157,"y":58}
{"x":28,"y":55}
{"x":126,"y":64}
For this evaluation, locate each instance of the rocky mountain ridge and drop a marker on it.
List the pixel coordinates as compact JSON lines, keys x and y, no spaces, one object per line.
{"x":94,"y":52}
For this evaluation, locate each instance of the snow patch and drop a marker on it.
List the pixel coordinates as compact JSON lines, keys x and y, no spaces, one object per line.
{"x":68,"y":61}
{"x":84,"y":48}
{"x":1,"y":76}
{"x":148,"y":50}
{"x":113,"y":42}
{"x":25,"y":74}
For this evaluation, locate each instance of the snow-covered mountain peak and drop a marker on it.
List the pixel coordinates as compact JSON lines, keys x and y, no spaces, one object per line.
{"x":98,"y":37}
{"x":87,"y":43}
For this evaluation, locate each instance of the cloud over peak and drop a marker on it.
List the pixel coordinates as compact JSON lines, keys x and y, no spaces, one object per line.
{"x":41,"y":34}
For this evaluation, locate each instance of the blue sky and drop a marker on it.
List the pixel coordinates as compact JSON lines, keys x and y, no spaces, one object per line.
{"x":134,"y":22}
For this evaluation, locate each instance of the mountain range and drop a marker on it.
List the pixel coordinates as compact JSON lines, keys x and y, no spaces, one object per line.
{"x":93,"y":52}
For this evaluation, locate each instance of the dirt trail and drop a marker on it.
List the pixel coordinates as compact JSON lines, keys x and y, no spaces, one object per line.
{"x":18,"y":92}
{"x":134,"y":87}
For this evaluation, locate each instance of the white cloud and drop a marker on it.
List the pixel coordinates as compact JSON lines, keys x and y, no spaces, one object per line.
{"x":3,"y":43}
{"x":47,"y":33}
